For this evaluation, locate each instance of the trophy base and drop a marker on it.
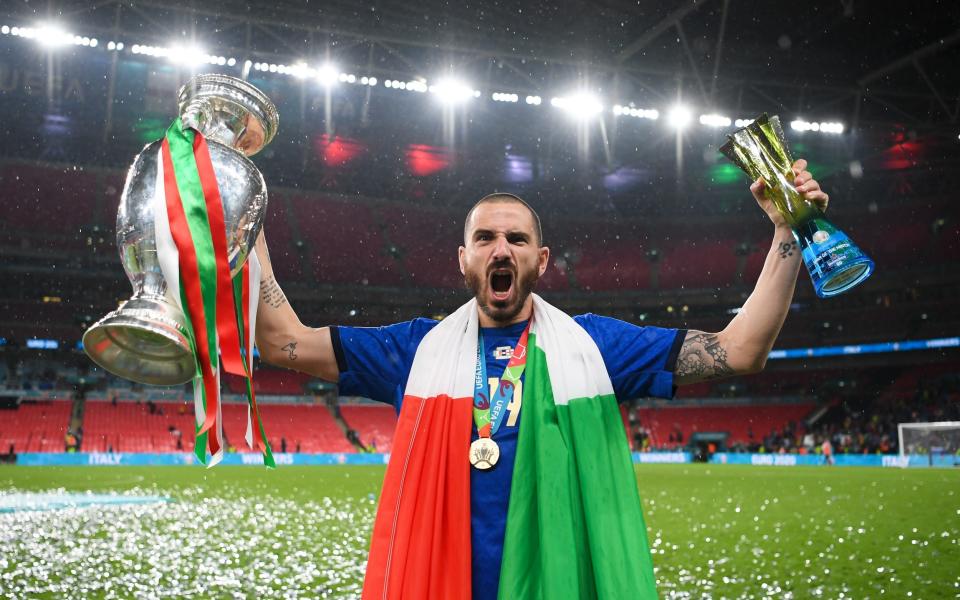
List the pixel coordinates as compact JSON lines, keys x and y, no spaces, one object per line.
{"x":844,"y":279}
{"x":143,"y":341}
{"x":834,"y":262}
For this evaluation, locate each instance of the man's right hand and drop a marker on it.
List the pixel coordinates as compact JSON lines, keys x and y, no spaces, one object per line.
{"x":281,"y":338}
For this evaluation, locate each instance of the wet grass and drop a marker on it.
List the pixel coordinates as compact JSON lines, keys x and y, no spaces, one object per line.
{"x":716,"y":532}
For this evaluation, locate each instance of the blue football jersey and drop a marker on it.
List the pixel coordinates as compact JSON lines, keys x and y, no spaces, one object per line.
{"x":375,"y":363}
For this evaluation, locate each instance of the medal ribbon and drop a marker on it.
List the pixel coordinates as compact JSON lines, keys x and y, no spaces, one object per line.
{"x":488,"y":412}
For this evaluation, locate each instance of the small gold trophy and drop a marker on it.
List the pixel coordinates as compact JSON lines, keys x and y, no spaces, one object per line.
{"x":834,"y":262}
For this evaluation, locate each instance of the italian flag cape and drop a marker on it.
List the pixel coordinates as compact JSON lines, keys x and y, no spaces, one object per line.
{"x":575,"y":527}
{"x":220,"y":309}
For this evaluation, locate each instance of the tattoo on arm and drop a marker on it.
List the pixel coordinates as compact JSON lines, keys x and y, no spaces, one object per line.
{"x":702,"y":357}
{"x":787,"y":249}
{"x":291,"y":350}
{"x":271,"y":293}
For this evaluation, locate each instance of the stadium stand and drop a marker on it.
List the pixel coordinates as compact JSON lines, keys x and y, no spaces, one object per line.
{"x":344,"y":240}
{"x":408,"y":246}
{"x":157,"y":427}
{"x":374,"y":425}
{"x":325,"y":238}
{"x":310,"y":428}
{"x":137,"y":427}
{"x":860,"y":409}
{"x":671,"y":427}
{"x":34,"y":426}
{"x":697,"y":263}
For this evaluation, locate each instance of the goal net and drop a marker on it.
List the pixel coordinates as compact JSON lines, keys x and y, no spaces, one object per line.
{"x":936,"y":443}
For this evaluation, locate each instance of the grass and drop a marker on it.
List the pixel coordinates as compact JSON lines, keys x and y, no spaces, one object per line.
{"x":716,"y":531}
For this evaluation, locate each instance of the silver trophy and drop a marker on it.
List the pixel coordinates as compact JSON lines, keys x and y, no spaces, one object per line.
{"x":146,"y":339}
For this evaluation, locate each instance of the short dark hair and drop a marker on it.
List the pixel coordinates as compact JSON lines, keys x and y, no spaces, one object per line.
{"x":504,"y":197}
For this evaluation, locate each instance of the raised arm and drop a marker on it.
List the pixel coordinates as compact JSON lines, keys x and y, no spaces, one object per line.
{"x":281,"y":338}
{"x":742,"y":347}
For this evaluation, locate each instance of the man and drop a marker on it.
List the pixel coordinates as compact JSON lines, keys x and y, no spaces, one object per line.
{"x":501,"y":259}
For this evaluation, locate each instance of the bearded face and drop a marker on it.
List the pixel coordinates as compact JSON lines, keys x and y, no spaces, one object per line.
{"x":502,"y":261}
{"x":502,"y":290}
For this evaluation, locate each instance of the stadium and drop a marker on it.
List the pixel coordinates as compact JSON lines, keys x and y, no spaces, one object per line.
{"x":832,"y":473}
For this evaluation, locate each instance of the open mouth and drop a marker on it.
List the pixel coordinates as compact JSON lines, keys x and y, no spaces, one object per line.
{"x":501,"y":284}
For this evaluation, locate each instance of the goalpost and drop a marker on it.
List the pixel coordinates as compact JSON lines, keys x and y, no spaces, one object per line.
{"x":938,"y":442}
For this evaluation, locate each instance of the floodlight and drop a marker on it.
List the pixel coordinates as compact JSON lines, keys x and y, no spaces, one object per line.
{"x":51,"y":36}
{"x":185,"y":55}
{"x":713,"y":120}
{"x":505,"y":97}
{"x":679,"y":116}
{"x":452,"y":91}
{"x":328,"y":75}
{"x":581,"y":105}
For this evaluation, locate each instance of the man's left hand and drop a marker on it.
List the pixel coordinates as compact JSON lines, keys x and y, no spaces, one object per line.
{"x":806,"y":185}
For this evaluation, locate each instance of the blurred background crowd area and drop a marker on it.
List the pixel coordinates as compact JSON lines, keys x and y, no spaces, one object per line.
{"x":611,"y":136}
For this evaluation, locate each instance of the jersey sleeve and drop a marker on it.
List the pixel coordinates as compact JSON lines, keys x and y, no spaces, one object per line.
{"x":374,"y":362}
{"x":640,"y":360}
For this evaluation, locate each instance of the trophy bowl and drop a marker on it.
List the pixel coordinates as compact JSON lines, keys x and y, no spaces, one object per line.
{"x":146,"y":339}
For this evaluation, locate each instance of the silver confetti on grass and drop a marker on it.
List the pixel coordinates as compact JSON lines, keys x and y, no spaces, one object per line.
{"x":207,"y":547}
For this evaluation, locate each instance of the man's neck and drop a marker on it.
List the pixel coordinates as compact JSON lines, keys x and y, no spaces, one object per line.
{"x":525,"y":313}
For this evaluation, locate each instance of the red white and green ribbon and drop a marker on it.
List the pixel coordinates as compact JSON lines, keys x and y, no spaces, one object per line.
{"x":220,"y":309}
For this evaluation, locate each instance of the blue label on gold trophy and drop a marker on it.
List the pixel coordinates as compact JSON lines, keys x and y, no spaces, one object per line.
{"x":835,"y":263}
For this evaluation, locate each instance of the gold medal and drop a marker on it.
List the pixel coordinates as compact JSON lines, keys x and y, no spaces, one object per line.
{"x":484,"y":453}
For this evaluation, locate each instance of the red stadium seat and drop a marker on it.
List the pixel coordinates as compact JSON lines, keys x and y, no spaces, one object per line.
{"x":739,"y":421}
{"x":35,"y":426}
{"x":374,"y":424}
{"x":698,"y":263}
{"x":130,"y":427}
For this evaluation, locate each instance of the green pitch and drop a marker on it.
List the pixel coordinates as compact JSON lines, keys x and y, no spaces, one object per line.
{"x":716,"y":531}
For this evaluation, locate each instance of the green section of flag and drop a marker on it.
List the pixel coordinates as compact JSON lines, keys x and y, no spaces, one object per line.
{"x":575,"y":527}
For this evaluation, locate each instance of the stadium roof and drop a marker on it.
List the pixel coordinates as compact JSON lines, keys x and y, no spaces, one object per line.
{"x":851,"y":61}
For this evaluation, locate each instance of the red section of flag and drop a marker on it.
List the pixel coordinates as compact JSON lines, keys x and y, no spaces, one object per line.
{"x":421,"y":539}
